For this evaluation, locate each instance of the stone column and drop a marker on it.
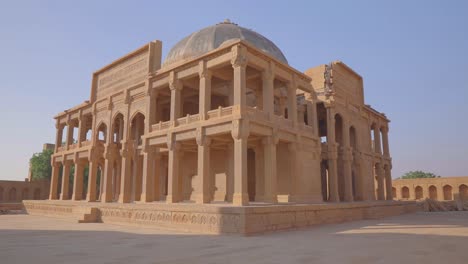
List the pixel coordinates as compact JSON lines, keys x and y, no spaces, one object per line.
{"x":78,"y":181}
{"x":205,"y":90}
{"x":69,"y":134}
{"x":147,"y":194}
{"x":93,"y":168}
{"x":54,"y":181}
{"x":230,"y":178}
{"x":239,"y":64}
{"x":312,"y":113}
{"x":268,"y":77}
{"x":173,"y":190}
{"x":107,"y":175}
{"x":270,"y":179}
{"x":347,"y":159}
{"x":158,"y":181}
{"x":386,"y":150}
{"x":240,"y":196}
{"x":294,"y":169}
{"x":380,"y":182}
{"x":377,"y":143}
{"x":65,"y":180}
{"x":81,"y":132}
{"x":259,"y":172}
{"x":292,"y":102}
{"x":204,"y":172}
{"x":332,"y":157}
{"x":388,"y":183}
{"x":125,"y":195}
{"x":176,"y":88}
{"x":58,"y":137}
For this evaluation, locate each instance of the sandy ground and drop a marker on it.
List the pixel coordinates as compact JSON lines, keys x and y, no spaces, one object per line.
{"x":415,"y":238}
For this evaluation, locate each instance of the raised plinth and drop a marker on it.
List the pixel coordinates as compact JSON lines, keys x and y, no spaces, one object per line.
{"x":220,"y":218}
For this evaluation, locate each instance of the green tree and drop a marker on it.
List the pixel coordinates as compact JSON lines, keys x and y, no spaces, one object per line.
{"x":40,"y":165}
{"x":419,"y":174}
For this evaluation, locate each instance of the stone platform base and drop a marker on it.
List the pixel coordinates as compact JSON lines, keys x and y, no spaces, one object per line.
{"x":220,"y":218}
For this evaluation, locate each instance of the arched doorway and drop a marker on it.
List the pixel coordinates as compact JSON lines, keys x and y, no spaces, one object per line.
{"x":12,"y":195}
{"x":25,"y":194}
{"x":405,"y":192}
{"x":463,"y":191}
{"x":37,"y":194}
{"x":432,"y":192}
{"x":448,"y":192}
{"x":419,"y":192}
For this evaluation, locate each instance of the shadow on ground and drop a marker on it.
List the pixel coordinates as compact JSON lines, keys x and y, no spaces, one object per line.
{"x":415,"y":238}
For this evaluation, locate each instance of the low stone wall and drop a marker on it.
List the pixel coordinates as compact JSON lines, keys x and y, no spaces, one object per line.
{"x":220,"y":219}
{"x":7,"y":207}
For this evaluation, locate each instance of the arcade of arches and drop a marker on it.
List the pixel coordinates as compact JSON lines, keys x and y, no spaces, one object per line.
{"x":235,"y":124}
{"x":444,"y":188}
{"x":16,"y":191}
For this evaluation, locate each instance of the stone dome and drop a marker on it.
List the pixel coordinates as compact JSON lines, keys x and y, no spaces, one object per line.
{"x":212,"y":37}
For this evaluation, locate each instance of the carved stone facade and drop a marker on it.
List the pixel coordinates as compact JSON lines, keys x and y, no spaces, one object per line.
{"x":234,"y":125}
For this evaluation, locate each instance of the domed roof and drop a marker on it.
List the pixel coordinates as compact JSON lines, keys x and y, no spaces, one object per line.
{"x":212,"y":37}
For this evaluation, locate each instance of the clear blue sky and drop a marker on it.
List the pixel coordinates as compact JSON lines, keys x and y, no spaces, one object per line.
{"x":413,"y":56}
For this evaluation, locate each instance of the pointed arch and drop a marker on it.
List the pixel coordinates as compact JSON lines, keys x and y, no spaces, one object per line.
{"x":419,"y":192}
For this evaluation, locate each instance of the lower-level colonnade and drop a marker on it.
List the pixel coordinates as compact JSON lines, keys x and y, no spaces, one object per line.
{"x":223,"y":168}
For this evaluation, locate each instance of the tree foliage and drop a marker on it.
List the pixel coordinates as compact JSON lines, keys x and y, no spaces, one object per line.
{"x":40,"y":165}
{"x":418,"y":174}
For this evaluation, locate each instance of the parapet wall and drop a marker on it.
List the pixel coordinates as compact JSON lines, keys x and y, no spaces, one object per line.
{"x":16,"y":191}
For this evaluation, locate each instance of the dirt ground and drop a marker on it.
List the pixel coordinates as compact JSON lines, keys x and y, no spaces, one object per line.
{"x":413,"y":238}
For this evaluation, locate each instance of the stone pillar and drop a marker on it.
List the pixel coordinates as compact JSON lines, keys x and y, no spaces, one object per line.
{"x":158,"y":177}
{"x":268,"y":77}
{"x":81,"y":132}
{"x":388,"y":183}
{"x":205,"y":90}
{"x":54,"y":181}
{"x":78,"y":181}
{"x":240,"y":196}
{"x":65,"y":180}
{"x":292,"y":102}
{"x":147,"y":193}
{"x":259,"y":172}
{"x":270,"y":179}
{"x":386,"y":149}
{"x":380,"y":182}
{"x":239,"y":64}
{"x":204,"y":172}
{"x":58,"y":137}
{"x":93,"y":169}
{"x":107,"y":175}
{"x":377,"y":143}
{"x":332,"y":157}
{"x":347,"y":169}
{"x":125,"y":195}
{"x":173,"y":190}
{"x":69,"y":135}
{"x":176,"y":89}
{"x":294,"y":169}
{"x":230,"y":178}
{"x":312,"y":113}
